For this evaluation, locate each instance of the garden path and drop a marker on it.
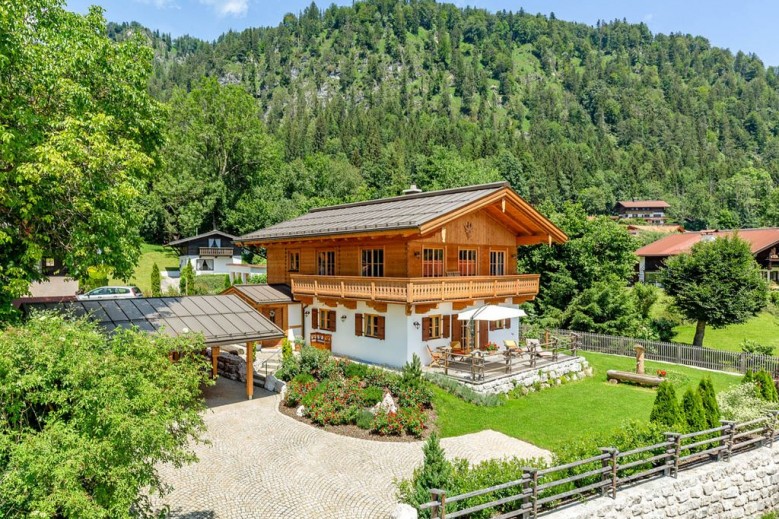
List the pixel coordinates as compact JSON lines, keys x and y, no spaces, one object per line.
{"x":263,"y":464}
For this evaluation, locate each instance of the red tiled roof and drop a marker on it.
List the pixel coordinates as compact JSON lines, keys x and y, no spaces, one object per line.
{"x":641,"y":204}
{"x":673,"y":244}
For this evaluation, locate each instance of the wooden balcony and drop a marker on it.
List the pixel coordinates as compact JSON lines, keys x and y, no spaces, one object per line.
{"x":215,"y":251}
{"x":415,"y":290}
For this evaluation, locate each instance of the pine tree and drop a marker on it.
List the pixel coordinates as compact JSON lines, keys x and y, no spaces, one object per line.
{"x":435,"y":471}
{"x":666,"y":410}
{"x":709,"y":401}
{"x":187,"y":280}
{"x":694,"y":414}
{"x":156,"y":281}
{"x":228,"y":284}
{"x":766,"y":386}
{"x":749,"y":376}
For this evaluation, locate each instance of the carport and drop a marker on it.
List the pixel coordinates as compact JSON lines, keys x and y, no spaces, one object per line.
{"x":221,"y":319}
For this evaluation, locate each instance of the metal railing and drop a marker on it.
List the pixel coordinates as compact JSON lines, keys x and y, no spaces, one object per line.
{"x":543,"y":490}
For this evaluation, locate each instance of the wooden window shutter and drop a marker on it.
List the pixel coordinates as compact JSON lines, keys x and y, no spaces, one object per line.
{"x":507,"y":324}
{"x":425,"y":328}
{"x":331,"y":321}
{"x":358,"y":325}
{"x":314,"y":319}
{"x":446,"y":322}
{"x":380,"y":323}
{"x":493,"y":325}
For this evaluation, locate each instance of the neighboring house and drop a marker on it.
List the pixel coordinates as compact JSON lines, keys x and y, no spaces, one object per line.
{"x":208,"y":253}
{"x":384,"y":279}
{"x":653,"y":211}
{"x":243,"y":272}
{"x":762,"y":242}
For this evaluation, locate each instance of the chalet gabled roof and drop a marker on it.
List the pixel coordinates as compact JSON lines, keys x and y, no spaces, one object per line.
{"x":222,"y":319}
{"x":182,"y":241}
{"x":408,"y":212}
{"x":758,"y":239}
{"x":644,"y":204}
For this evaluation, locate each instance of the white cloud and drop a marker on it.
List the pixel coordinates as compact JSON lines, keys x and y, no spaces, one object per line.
{"x":160,"y":4}
{"x":227,"y":7}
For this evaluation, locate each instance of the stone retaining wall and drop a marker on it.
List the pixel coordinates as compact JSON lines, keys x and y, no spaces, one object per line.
{"x":558,"y":373}
{"x":747,"y":486}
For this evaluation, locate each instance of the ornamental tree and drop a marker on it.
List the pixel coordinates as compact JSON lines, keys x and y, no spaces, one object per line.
{"x":156,"y":281}
{"x":666,"y":411}
{"x":694,"y":414}
{"x":78,"y":134}
{"x":709,"y":401}
{"x":85,"y":418}
{"x":717,"y":283}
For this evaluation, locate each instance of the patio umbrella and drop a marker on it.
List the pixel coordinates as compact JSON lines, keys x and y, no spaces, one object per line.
{"x":491,"y":313}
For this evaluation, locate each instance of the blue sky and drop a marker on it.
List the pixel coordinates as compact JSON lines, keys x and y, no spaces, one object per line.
{"x":748,"y":25}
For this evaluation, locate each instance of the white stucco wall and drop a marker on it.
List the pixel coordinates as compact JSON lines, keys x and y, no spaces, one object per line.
{"x":402,"y":338}
{"x":220,"y":264}
{"x":641,"y":268}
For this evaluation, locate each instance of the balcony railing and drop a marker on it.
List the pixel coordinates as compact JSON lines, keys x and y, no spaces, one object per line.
{"x":415,"y":290}
{"x":216,"y":251}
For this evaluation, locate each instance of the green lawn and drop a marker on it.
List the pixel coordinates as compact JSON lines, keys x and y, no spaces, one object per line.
{"x":558,"y":415}
{"x":163,"y":256}
{"x":763,"y":329}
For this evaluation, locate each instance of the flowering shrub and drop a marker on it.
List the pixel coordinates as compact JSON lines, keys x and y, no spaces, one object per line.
{"x":413,"y":420}
{"x":387,"y":424}
{"x":742,"y":403}
{"x":297,"y":390}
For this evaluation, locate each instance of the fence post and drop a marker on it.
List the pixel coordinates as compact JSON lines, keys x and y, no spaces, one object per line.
{"x":438,"y":511}
{"x":742,"y":362}
{"x":672,"y":465}
{"x":770,"y":428}
{"x":731,"y":440}
{"x":532,"y":475}
{"x":678,"y":352}
{"x":610,"y":476}
{"x":526,"y":492}
{"x":726,"y":440}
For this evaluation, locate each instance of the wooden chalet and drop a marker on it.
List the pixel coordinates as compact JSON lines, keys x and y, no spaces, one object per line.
{"x":383,"y":279}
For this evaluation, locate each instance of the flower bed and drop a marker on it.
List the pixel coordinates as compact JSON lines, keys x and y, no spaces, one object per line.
{"x":330,"y":392}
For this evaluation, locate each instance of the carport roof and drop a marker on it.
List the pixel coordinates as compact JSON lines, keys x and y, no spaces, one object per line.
{"x":222,"y":319}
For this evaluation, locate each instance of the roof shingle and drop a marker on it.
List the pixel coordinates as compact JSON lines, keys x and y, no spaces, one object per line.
{"x":758,"y":239}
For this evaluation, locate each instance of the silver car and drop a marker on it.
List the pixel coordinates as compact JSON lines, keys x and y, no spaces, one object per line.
{"x":110,"y":293}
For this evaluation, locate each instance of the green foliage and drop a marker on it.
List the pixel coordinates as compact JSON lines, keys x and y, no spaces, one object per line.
{"x":766,"y":387}
{"x":209,"y":284}
{"x":88,"y":419}
{"x":666,"y":411}
{"x":743,"y":402}
{"x":717,"y":283}
{"x":749,"y":377}
{"x":692,"y":409}
{"x":355,"y":369}
{"x":78,"y":132}
{"x":605,"y":307}
{"x":187,"y":280}
{"x":286,"y":350}
{"x":227,"y":282}
{"x":96,"y":277}
{"x":709,"y":402}
{"x":646,"y":296}
{"x":372,"y":395}
{"x":364,"y":420}
{"x":156,"y":281}
{"x":663,"y":328}
{"x":599,"y":251}
{"x":435,"y":472}
{"x":750,"y":346}
{"x":412,"y":372}
{"x":258,"y":279}
{"x":463,"y":392}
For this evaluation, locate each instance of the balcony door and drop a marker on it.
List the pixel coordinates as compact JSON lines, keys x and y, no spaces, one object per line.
{"x":466,"y":262}
{"x":432,"y":262}
{"x":326,"y":263}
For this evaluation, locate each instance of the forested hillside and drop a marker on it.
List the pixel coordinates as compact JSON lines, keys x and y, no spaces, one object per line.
{"x":357,"y":102}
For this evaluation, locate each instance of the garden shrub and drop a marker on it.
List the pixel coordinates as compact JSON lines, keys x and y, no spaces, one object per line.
{"x":414,"y":396}
{"x":692,"y":408}
{"x":773,"y":297}
{"x":297,"y":390}
{"x":435,"y":472}
{"x":286,"y":349}
{"x":355,"y":370}
{"x":767,"y":389}
{"x":412,"y":372}
{"x":302,"y":378}
{"x":463,"y":392}
{"x":663,"y":327}
{"x":156,"y":281}
{"x":387,"y":424}
{"x":372,"y":395}
{"x":749,"y":376}
{"x":413,"y":420}
{"x":742,"y":403}
{"x":754,"y":347}
{"x":665,"y":410}
{"x":364,"y":419}
{"x":709,"y":401}
{"x":290,"y":368}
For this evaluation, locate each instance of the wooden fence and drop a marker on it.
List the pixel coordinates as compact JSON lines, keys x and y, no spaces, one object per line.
{"x":543,"y":490}
{"x":698,"y":357}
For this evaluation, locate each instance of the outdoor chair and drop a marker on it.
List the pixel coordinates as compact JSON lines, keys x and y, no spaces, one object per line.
{"x":436,"y":357}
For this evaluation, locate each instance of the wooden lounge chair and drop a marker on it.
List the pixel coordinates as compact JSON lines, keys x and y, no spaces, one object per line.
{"x":437,"y":357}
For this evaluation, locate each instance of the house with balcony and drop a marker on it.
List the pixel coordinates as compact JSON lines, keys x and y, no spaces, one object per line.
{"x":209,"y":253}
{"x":383,"y":279}
{"x":652,"y":211}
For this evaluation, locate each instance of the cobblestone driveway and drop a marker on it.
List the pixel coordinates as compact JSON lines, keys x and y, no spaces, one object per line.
{"x":263,"y":464}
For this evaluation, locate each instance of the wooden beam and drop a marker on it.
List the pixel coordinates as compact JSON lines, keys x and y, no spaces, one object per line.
{"x":533,"y":239}
{"x":423,"y":309}
{"x":351,"y":304}
{"x":495,"y":301}
{"x":332,"y":303}
{"x":214,"y":361}
{"x":377,"y":305}
{"x":305,"y":300}
{"x":409,"y":309}
{"x":522,"y":299}
{"x":461,"y":305}
{"x":249,"y":370}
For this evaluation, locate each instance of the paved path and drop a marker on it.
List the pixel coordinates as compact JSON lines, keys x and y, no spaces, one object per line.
{"x":263,"y":464}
